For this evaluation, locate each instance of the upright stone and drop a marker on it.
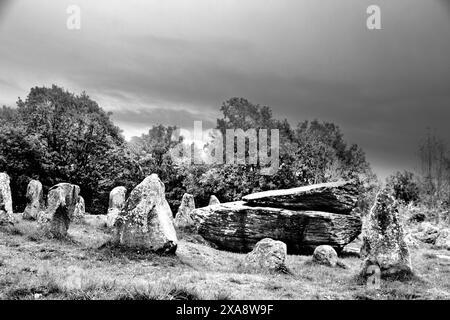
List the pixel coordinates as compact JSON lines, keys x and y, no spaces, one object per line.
{"x":62,"y":200}
{"x":35,"y":200}
{"x":116,"y":204}
{"x":6,"y":211}
{"x":80,"y":209}
{"x":146,"y":222}
{"x":213,"y":200}
{"x":383,"y":239}
{"x":183,"y":219}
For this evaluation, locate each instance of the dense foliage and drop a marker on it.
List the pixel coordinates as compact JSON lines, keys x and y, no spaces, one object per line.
{"x":56,"y":136}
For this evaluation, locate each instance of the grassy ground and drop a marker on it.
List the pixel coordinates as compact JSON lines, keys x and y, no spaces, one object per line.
{"x":34,"y":267}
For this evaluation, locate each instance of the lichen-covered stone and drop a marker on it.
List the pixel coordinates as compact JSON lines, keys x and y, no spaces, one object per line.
{"x":61,"y":203}
{"x":35,"y":200}
{"x":116,"y":204}
{"x":325,"y":255}
{"x":268,"y":254}
{"x":383,"y":238}
{"x":146,"y":221}
{"x":336,"y":197}
{"x":213,"y":200}
{"x":183,"y":219}
{"x":6,"y":211}
{"x":237,"y":226}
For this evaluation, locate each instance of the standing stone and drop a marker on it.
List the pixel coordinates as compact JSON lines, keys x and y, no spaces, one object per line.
{"x":35,"y":200}
{"x":383,"y":239}
{"x":116,"y":204}
{"x":80,"y":209}
{"x":325,"y":255}
{"x":183,"y":219}
{"x":146,"y":221}
{"x":6,"y":211}
{"x":268,"y":254}
{"x":213,"y":200}
{"x":62,"y":200}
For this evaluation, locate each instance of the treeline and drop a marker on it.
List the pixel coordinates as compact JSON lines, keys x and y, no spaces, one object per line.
{"x":429,"y":183}
{"x":57,"y":136}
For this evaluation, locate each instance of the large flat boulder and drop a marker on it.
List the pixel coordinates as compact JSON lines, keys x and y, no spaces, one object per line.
{"x":146,"y":221}
{"x":337,"y":197}
{"x":237,"y":226}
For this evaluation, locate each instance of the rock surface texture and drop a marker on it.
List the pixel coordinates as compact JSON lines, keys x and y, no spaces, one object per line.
{"x":6,"y":211}
{"x":80,"y":209}
{"x":213,"y":200}
{"x":383,"y":239}
{"x":183,"y":219}
{"x":337,"y":197}
{"x":237,"y":226}
{"x":116,"y":204}
{"x":268,"y":255}
{"x":325,"y":255}
{"x":35,"y":200}
{"x":146,"y":221}
{"x":62,"y":200}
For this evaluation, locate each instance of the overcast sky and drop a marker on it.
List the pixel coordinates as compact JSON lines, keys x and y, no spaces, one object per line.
{"x":174,"y":61}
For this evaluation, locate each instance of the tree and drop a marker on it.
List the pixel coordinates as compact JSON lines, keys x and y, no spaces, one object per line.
{"x":404,"y":186}
{"x":72,"y":140}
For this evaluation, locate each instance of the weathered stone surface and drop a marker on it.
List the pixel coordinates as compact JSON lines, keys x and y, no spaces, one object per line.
{"x":61,"y":203}
{"x":236,"y":226}
{"x":6,"y":211}
{"x":337,"y":197}
{"x":183,"y":219}
{"x":146,"y":221}
{"x":443,"y":240}
{"x":268,"y":254}
{"x":35,"y":200}
{"x":80,"y":209}
{"x":427,"y":233}
{"x":411,"y":241}
{"x":116,"y":204}
{"x":213,"y":200}
{"x":325,"y":255}
{"x":383,"y":238}
{"x":98,"y":221}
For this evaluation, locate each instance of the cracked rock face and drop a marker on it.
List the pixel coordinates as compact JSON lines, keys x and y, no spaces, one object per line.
{"x":35,"y":200}
{"x":146,"y":221}
{"x":237,"y":226}
{"x":384,"y":239}
{"x":116,"y":204}
{"x":268,"y":254}
{"x":62,"y":201}
{"x":6,"y":211}
{"x":337,"y":197}
{"x":183,"y":219}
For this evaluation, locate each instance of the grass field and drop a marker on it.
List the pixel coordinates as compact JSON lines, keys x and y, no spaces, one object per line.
{"x":35,"y":267}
